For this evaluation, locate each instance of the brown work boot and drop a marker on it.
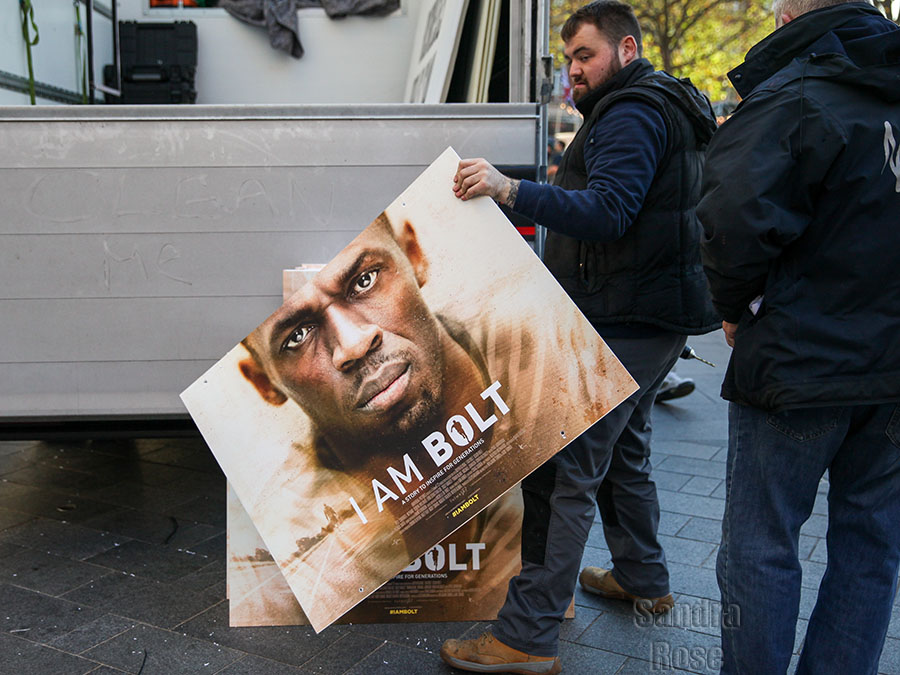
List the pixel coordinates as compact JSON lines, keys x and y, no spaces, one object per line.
{"x":487,"y":654}
{"x":603,"y":583}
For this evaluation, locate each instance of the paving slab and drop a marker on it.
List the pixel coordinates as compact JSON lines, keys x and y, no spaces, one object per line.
{"x":212,"y":548}
{"x":390,"y":659}
{"x":61,"y":538}
{"x":672,"y":523}
{"x":57,"y":478}
{"x":47,"y":573}
{"x":820,"y":551}
{"x":154,"y":528}
{"x":579,"y":658}
{"x":665,"y":647}
{"x":209,"y":579}
{"x":807,"y":547}
{"x":149,"y":650}
{"x":7,"y":549}
{"x":702,"y":529}
{"x":10,"y":518}
{"x":572,"y":629}
{"x":138,"y":495}
{"x":12,"y":461}
{"x":202,"y":509}
{"x":693,"y":467}
{"x":73,"y":456}
{"x":701,"y":485}
{"x":691,"y":505}
{"x":257,"y":665}
{"x":144,"y":600}
{"x":21,"y":657}
{"x":50,"y":503}
{"x":890,"y":657}
{"x":694,"y":449}
{"x":92,"y":633}
{"x":816,"y":526}
{"x":894,"y":626}
{"x":686,"y":551}
{"x":39,"y":618}
{"x":343,"y":654}
{"x":293,"y":645}
{"x":423,"y":636}
{"x":668,"y":480}
{"x":160,"y":563}
{"x":185,"y":454}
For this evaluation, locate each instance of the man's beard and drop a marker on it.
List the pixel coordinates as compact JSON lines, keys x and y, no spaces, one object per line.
{"x":613,"y":69}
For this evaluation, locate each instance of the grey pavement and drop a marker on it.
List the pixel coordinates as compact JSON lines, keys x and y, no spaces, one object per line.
{"x":112,"y":560}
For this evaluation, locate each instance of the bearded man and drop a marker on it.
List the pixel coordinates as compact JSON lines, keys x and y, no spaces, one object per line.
{"x":624,"y":243}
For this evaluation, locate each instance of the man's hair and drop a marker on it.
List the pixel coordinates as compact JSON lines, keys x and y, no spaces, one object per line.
{"x":612,"y":18}
{"x":797,"y":7}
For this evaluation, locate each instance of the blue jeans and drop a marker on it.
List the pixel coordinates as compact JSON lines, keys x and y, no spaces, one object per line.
{"x":775,"y":462}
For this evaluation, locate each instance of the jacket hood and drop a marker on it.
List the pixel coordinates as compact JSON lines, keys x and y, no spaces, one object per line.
{"x":682,"y":93}
{"x":852,"y":43}
{"x":679,"y":92}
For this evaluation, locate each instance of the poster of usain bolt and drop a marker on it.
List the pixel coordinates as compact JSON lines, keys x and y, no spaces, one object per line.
{"x":456,"y":580}
{"x":422,"y":373}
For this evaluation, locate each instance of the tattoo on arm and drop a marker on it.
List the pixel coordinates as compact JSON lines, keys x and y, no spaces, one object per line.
{"x":513,"y":192}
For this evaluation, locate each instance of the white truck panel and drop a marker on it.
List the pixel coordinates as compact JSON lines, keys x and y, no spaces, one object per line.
{"x":137,"y":246}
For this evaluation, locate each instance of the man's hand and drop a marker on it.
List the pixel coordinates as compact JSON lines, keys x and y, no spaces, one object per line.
{"x":730,"y":329}
{"x":476,"y":177}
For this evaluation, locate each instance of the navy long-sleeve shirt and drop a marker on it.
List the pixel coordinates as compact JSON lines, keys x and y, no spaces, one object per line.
{"x":621,"y":155}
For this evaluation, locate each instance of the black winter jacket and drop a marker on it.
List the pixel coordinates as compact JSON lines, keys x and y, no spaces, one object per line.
{"x":651,"y":275}
{"x":801,"y":206}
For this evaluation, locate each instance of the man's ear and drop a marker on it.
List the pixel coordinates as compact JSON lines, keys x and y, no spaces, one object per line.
{"x":628,"y":51}
{"x":410,"y":245}
{"x":256,"y":376}
{"x":785,"y":18}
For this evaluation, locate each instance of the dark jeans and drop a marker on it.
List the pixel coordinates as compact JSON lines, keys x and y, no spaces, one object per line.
{"x":610,"y":460}
{"x":775,"y":462}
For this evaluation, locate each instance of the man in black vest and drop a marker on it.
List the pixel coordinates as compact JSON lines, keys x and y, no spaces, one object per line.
{"x":624,"y":243}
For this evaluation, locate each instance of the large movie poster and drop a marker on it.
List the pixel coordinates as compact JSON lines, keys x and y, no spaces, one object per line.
{"x":424,"y":371}
{"x":456,"y":580}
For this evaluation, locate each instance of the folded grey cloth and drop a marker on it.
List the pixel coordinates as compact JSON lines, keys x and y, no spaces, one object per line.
{"x":340,"y":8}
{"x":279,"y":17}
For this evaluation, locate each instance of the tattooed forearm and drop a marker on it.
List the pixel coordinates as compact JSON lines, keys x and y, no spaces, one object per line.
{"x":512,"y":192}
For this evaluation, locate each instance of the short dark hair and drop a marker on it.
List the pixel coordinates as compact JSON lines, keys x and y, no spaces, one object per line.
{"x":612,"y":18}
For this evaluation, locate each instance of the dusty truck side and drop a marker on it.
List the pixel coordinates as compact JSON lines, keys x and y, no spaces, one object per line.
{"x":139,"y":243}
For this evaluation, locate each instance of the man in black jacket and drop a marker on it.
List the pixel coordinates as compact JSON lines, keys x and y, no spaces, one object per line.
{"x":624,"y":243}
{"x":801,"y":211}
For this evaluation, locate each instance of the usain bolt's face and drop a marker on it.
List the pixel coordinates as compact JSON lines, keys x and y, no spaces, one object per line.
{"x":357,"y":347}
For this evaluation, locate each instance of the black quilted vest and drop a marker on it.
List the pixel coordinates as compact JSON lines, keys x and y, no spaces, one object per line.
{"x":651,"y":275}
